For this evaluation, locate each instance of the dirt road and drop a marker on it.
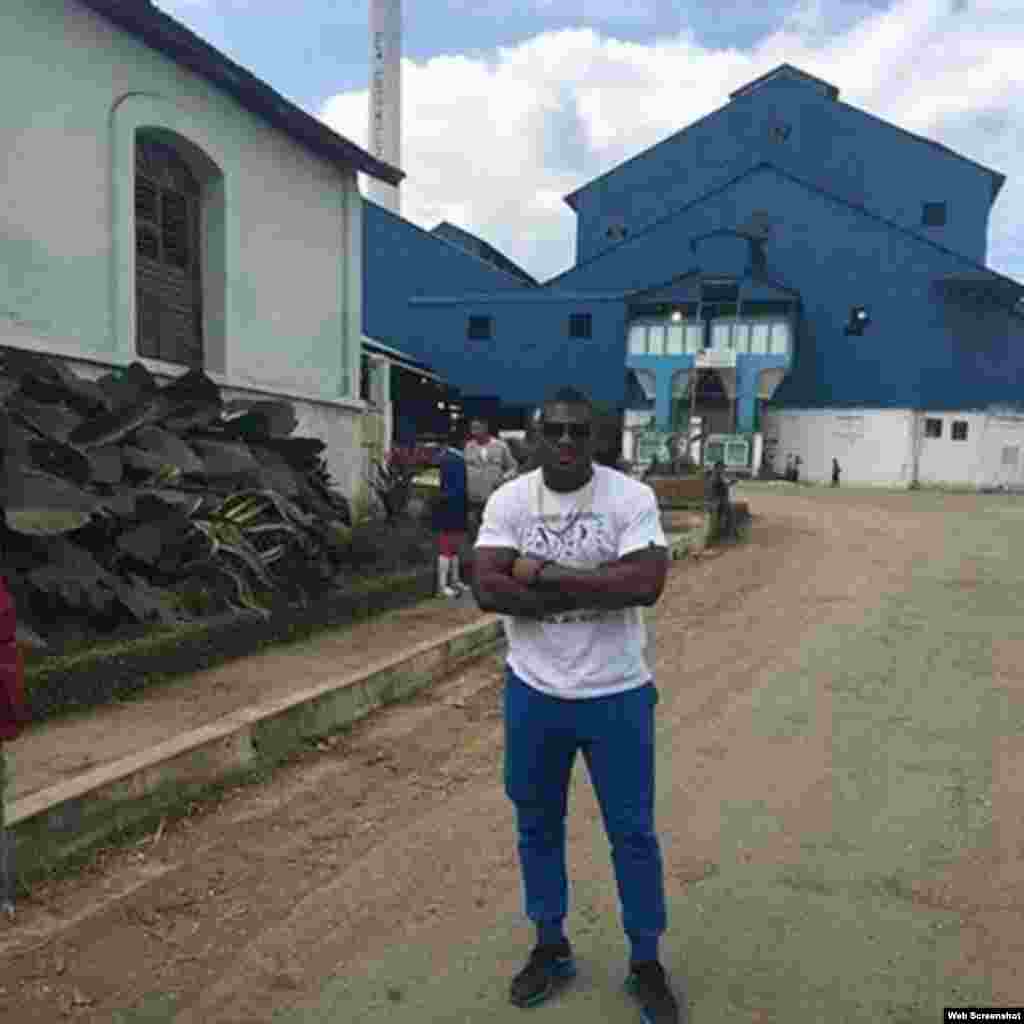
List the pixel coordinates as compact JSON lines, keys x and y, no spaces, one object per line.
{"x":840,"y":804}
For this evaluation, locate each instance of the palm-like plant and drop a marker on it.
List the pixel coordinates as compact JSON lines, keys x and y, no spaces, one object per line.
{"x":113,"y":491}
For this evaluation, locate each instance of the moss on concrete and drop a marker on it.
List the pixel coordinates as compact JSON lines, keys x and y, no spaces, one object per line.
{"x":122,"y":669}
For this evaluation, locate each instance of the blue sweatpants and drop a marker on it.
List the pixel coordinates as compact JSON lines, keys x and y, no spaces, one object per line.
{"x":616,"y":735}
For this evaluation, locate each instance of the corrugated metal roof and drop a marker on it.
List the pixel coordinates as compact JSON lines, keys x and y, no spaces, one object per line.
{"x":161,"y":32}
{"x":396,"y":356}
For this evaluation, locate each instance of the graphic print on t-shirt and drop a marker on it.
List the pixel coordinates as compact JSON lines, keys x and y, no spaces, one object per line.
{"x":582,"y":541}
{"x":578,"y":541}
{"x":577,"y":655}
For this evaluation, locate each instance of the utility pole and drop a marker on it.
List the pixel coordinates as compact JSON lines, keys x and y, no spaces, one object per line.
{"x":385,"y":135}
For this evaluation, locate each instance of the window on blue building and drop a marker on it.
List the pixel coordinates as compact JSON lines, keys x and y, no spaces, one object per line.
{"x":656,"y":340}
{"x":580,"y":325}
{"x":481,"y":328}
{"x":759,"y":335}
{"x":721,"y":336}
{"x":674,"y":339}
{"x":933,"y":215}
{"x":638,"y":340}
{"x":780,"y":338}
{"x":666,"y":331}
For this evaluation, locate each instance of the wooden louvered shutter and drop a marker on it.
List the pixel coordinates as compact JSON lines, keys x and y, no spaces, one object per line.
{"x":168,"y":283}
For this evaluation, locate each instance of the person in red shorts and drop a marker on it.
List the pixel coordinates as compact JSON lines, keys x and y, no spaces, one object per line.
{"x":451,"y":521}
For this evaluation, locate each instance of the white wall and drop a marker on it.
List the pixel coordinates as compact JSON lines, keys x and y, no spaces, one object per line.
{"x":1001,"y":432}
{"x":873,"y":446}
{"x":945,"y":461}
{"x":339,"y":429}
{"x":282,"y":275}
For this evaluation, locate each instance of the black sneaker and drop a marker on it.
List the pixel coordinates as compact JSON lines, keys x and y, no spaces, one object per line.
{"x":547,"y":967}
{"x":648,"y":983}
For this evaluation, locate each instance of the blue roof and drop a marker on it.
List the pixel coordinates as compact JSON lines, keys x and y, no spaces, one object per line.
{"x":791,"y":72}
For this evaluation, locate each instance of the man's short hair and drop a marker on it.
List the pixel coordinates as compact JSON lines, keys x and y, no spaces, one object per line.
{"x":568,"y":396}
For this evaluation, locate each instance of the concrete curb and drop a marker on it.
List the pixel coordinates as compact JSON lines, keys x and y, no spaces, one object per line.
{"x":52,"y":825}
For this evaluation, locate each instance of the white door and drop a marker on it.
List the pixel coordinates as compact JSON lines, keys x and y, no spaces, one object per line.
{"x":1010,"y":467}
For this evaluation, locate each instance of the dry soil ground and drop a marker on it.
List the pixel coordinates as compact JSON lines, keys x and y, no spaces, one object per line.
{"x":840,"y":805}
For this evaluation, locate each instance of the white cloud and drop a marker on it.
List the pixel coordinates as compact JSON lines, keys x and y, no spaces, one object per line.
{"x":492,"y":144}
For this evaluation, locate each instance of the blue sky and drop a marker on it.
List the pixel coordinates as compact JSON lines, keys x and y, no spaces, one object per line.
{"x":503,"y":114}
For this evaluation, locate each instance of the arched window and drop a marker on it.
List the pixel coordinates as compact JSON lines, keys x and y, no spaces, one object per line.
{"x":168,"y":286}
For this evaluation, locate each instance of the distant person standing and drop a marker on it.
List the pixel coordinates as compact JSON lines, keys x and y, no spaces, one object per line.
{"x":450,"y":520}
{"x":835,"y":472}
{"x":722,"y":510}
{"x":489,"y":463}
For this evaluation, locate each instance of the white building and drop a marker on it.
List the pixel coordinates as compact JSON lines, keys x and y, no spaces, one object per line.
{"x":163,"y":204}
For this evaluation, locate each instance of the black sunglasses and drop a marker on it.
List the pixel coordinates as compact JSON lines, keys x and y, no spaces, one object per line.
{"x":576,"y":431}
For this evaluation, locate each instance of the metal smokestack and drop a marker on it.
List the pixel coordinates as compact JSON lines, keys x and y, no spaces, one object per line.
{"x":386,"y":95}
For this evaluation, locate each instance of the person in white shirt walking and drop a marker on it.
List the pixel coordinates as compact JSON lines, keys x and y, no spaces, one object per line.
{"x":489,"y":464}
{"x":569,"y":554}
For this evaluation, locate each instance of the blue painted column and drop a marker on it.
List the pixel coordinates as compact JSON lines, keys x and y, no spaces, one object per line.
{"x":745,"y":413}
{"x":746,"y":397}
{"x":663,"y":397}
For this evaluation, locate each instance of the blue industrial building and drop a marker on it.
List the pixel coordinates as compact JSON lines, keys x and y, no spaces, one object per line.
{"x":789,"y":269}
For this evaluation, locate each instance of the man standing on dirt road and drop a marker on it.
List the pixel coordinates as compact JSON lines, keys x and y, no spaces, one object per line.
{"x":568,"y":554}
{"x":489,"y":463}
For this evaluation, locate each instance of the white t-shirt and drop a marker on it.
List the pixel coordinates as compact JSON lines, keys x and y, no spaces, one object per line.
{"x":581,"y":653}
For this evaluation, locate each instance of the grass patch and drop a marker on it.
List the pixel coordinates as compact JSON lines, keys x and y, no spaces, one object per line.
{"x":123,"y":669}
{"x":893,"y":886}
{"x":170,"y":806}
{"x":799,"y":879}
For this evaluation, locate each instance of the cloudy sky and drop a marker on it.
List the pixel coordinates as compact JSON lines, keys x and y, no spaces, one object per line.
{"x":504,"y":114}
